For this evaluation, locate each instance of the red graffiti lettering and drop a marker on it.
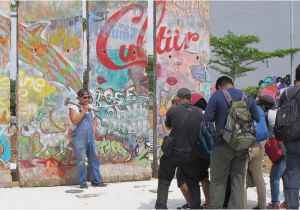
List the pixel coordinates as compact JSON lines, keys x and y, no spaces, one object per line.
{"x":134,"y":55}
{"x":164,"y":39}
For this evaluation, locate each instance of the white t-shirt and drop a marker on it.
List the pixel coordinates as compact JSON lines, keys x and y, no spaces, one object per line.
{"x":271,"y":119}
{"x":76,"y":109}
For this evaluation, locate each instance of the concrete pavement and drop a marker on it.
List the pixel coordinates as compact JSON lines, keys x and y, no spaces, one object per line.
{"x":122,"y":195}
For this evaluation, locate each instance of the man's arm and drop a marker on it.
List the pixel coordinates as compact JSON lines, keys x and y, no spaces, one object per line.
{"x":95,"y":125}
{"x":168,"y":119}
{"x":75,"y":117}
{"x":211,"y":108}
{"x":253,"y":109}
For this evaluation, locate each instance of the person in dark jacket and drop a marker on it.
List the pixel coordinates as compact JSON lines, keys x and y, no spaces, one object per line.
{"x":184,"y":122}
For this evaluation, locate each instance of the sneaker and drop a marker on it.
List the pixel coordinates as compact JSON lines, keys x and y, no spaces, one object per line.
{"x":204,"y":206}
{"x":102,"y":184}
{"x":273,"y":206}
{"x":83,"y":186}
{"x":185,"y":206}
{"x":283,"y":205}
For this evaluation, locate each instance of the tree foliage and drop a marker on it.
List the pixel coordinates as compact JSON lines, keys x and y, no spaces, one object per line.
{"x":234,"y":57}
{"x":252,"y":90}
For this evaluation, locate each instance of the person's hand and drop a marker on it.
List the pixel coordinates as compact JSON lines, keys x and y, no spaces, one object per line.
{"x":85,"y":108}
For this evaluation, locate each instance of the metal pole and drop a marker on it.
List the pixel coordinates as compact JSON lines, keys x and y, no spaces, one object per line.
{"x":14,"y":74}
{"x":155,"y":142}
{"x":85,"y":52}
{"x":292,"y":37}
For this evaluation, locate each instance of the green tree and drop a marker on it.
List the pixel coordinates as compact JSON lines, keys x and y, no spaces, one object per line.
{"x":234,"y":57}
{"x":252,"y":90}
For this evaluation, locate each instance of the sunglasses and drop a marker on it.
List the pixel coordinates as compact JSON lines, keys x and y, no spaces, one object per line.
{"x":86,"y":97}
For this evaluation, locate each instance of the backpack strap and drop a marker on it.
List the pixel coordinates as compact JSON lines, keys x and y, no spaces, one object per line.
{"x":227,"y":96}
{"x":244,"y":96}
{"x":294,"y":96}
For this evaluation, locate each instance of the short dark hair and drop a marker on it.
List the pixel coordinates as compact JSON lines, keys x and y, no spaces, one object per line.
{"x":298,"y":73}
{"x":83,"y":92}
{"x":184,"y":93}
{"x":223,"y":80}
{"x":201,"y":103}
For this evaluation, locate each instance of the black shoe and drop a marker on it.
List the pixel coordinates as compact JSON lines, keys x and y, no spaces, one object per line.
{"x":83,"y":186}
{"x":185,"y":206}
{"x":256,"y":207}
{"x":102,"y":184}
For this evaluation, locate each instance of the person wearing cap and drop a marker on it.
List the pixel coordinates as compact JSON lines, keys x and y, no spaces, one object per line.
{"x":183,"y":120}
{"x":85,"y":124}
{"x":198,"y":101}
{"x":225,"y":161}
{"x":267,"y":103}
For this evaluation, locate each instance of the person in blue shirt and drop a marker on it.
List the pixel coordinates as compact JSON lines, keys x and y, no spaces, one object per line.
{"x":224,"y":160}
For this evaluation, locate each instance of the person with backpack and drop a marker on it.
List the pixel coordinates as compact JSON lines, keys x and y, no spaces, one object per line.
{"x":256,"y":156}
{"x":183,"y":120}
{"x":278,"y":163}
{"x":233,"y":113}
{"x":207,"y":132}
{"x":287,"y":129}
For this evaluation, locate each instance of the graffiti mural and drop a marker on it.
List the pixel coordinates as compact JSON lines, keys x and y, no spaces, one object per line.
{"x":182,"y":45}
{"x":5,"y":153}
{"x":274,"y":86}
{"x":50,"y":70}
{"x":118,"y":57}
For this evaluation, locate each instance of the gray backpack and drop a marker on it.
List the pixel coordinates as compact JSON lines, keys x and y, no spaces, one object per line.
{"x":239,"y":131}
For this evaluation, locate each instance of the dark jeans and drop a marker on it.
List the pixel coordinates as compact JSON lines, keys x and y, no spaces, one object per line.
{"x":276,"y":174}
{"x":292,"y":180}
{"x":166,"y":173}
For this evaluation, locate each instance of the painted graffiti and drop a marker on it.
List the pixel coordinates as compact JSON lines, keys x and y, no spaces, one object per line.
{"x":5,"y":134}
{"x":131,"y":55}
{"x":182,"y":52}
{"x":118,"y":38}
{"x":40,"y":55}
{"x":274,"y":86}
{"x":124,"y":122}
{"x":50,"y":70}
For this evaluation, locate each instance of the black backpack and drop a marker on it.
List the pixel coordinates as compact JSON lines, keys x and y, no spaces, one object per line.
{"x":287,"y":123}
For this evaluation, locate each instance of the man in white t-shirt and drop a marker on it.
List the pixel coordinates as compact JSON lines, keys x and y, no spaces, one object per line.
{"x":84,"y":121}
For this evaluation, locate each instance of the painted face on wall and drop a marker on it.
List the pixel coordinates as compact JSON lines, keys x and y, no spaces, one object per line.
{"x":139,"y":79}
{"x":176,"y":68}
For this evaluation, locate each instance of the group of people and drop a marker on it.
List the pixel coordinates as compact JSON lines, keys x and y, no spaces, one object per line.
{"x":229,"y":161}
{"x":232,"y":161}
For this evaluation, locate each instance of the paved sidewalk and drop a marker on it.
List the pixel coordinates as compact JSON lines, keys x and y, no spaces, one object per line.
{"x":125,"y":195}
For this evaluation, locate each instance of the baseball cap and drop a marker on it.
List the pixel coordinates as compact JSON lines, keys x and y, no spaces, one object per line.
{"x":195,"y":98}
{"x":184,"y":93}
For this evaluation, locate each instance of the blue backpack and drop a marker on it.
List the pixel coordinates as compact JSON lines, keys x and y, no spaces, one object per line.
{"x":207,"y":135}
{"x":262,"y":132}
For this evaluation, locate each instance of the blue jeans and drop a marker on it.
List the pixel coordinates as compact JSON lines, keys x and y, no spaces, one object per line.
{"x":85,"y":148}
{"x":292,"y":180}
{"x":276,"y":174}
